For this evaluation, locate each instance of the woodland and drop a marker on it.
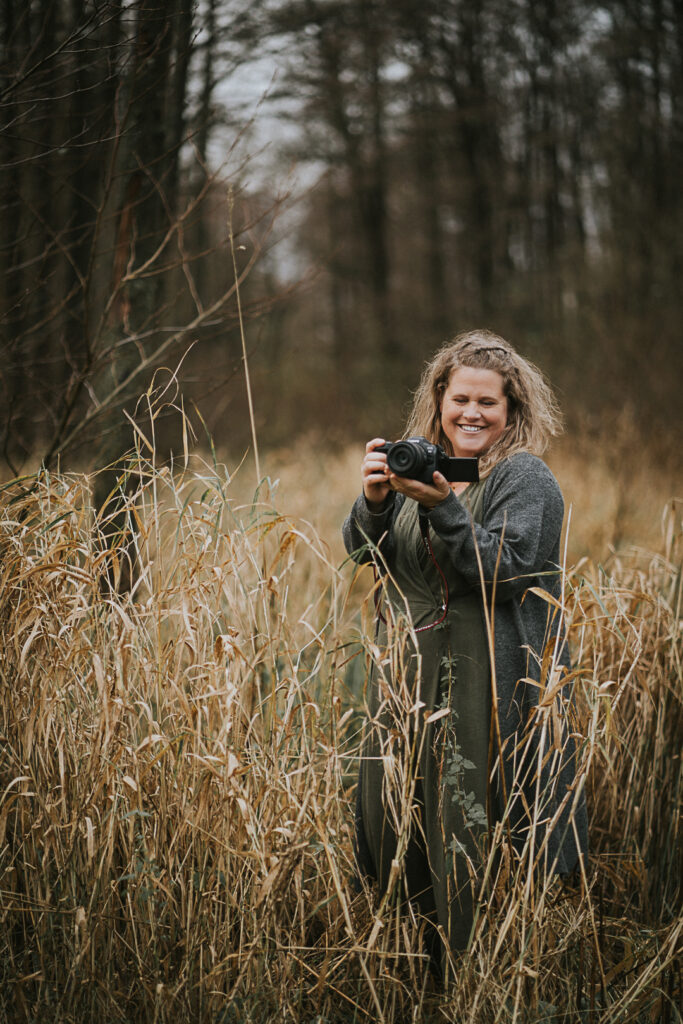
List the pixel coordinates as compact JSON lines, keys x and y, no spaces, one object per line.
{"x":513,"y":164}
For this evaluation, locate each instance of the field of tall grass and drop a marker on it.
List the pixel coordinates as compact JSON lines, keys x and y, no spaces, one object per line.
{"x":178,"y":756}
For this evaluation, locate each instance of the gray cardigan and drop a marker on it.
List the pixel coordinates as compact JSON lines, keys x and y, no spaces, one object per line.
{"x":518,"y":541}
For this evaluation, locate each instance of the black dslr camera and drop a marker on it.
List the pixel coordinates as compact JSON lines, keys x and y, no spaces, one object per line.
{"x":417,"y":458}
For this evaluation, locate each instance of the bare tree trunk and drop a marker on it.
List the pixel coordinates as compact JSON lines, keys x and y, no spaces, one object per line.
{"x":373,"y":198}
{"x":205,"y":114}
{"x":476,"y":138}
{"x":155,"y":124}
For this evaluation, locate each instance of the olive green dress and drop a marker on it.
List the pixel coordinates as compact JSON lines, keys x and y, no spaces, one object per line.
{"x":423,"y":784}
{"x":445,"y":760}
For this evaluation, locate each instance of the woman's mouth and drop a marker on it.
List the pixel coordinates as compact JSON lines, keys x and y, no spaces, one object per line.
{"x":469,"y":428}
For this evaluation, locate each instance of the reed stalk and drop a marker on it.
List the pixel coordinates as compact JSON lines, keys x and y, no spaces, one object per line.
{"x":176,"y":771}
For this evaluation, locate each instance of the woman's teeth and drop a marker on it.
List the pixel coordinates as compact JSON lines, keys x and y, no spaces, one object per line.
{"x":468,"y":429}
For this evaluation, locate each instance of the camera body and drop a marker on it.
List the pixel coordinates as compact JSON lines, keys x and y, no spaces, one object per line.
{"x":417,"y":458}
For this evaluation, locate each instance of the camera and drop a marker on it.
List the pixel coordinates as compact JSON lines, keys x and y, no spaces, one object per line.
{"x":417,"y":458}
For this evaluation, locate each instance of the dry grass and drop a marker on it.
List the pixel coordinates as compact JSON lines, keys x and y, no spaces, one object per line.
{"x":175,"y":819}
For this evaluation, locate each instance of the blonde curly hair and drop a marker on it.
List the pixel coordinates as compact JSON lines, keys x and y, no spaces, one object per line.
{"x":533,"y":414}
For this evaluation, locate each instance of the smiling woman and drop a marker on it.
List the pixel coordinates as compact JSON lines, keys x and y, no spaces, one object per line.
{"x":474,"y":410}
{"x":476,"y":567}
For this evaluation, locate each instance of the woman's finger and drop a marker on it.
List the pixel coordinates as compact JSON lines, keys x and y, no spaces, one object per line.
{"x":375,"y":465}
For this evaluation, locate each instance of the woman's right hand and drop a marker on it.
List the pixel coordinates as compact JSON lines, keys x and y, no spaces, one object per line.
{"x":374,"y":475}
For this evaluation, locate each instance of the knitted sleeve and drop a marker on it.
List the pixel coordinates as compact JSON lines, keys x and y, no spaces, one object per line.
{"x":520,"y":531}
{"x":363,"y":528}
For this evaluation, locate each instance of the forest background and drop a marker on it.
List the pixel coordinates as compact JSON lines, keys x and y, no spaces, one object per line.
{"x":392,"y":173}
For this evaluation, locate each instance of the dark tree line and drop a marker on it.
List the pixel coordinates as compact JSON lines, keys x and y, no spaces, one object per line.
{"x":109,"y":211}
{"x":513,"y":163}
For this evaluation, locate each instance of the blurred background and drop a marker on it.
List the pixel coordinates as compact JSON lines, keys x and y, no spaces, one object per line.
{"x":365,"y":179}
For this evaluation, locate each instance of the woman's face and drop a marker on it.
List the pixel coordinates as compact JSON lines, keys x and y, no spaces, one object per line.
{"x":474,"y":410}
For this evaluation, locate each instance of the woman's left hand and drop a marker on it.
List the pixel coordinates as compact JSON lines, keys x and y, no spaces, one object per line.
{"x":428,"y":495}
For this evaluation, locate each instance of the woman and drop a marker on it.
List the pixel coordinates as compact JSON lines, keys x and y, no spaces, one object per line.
{"x":474,"y":570}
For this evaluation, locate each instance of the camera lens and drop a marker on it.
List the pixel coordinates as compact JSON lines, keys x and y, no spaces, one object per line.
{"x":405,"y":459}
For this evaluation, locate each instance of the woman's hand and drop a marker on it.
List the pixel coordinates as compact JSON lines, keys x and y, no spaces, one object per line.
{"x":378,"y":480}
{"x":374,"y":473}
{"x":428,"y":495}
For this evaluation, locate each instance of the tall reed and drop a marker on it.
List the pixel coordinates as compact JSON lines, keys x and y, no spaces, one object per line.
{"x":176,"y":770}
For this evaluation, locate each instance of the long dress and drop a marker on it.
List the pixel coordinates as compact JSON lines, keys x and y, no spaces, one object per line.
{"x":424,"y":798}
